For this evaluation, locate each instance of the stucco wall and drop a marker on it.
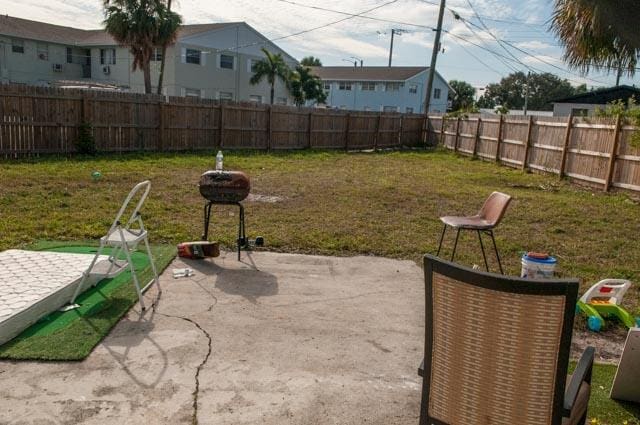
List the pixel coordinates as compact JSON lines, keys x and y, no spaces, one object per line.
{"x":564,"y":109}
{"x":28,"y":68}
{"x":361,"y":100}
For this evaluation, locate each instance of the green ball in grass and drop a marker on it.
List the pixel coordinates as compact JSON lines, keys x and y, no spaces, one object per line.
{"x":96,"y":175}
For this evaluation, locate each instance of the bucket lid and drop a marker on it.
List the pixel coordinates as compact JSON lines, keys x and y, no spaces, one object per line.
{"x":539,"y":257}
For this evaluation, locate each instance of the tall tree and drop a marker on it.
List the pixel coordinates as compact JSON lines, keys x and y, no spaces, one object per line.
{"x":306,"y":86}
{"x":167,"y":34}
{"x":599,"y":34}
{"x":463,"y":96}
{"x":543,"y":89}
{"x":310,"y":61}
{"x":137,"y":24}
{"x":272,"y":67}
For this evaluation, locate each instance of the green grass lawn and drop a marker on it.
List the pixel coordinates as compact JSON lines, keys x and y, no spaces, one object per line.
{"x":337,"y":203}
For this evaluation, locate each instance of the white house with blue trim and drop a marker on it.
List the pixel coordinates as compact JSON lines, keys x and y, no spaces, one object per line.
{"x":382,"y":88}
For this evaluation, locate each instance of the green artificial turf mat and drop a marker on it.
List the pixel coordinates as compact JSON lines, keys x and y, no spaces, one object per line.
{"x":71,"y":335}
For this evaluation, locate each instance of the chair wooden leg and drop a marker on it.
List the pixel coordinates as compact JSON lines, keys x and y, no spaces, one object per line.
{"x":495,"y":248}
{"x":484,"y":256}
{"x":444,"y":229}
{"x":455,"y":245}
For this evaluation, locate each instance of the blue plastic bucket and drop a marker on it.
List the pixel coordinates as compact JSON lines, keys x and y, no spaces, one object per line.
{"x":538,"y":268}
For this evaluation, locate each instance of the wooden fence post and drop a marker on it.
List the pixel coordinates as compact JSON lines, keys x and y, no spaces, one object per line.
{"x":270,"y":128}
{"x":612,"y":155}
{"x":527,"y":142}
{"x":160,"y":146}
{"x":375,"y":136}
{"x":455,"y":141}
{"x":310,"y":129}
{"x":442,"y":131}
{"x":500,"y":121}
{"x":346,"y":131}
{"x":424,"y":134}
{"x":565,"y":146}
{"x":476,"y":138}
{"x":221,"y":129}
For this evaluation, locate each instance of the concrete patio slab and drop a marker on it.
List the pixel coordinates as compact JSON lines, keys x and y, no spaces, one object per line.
{"x":274,"y":339}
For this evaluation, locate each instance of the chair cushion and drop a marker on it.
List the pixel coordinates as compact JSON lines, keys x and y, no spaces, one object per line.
{"x":580,"y":406}
{"x":473,"y":222}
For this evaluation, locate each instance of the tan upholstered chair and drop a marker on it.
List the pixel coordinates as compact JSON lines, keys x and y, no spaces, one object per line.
{"x":497,"y":349}
{"x":487,"y":218}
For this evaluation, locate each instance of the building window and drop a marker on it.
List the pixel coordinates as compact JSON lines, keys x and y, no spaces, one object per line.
{"x":327,"y":86}
{"x":225,"y":95}
{"x":192,"y":92}
{"x":281,"y":101}
{"x":69,"y":55}
{"x":580,"y":112}
{"x":413,"y":88}
{"x":390,"y":109}
{"x":343,"y":85}
{"x":156,"y":56}
{"x":368,"y":86}
{"x":436,"y":93}
{"x":392,"y":86}
{"x":193,"y":56}
{"x":107,"y":56}
{"x":253,"y":64}
{"x":43,"y":51}
{"x":255,"y":98}
{"x":17,"y":46}
{"x":409,"y":110}
{"x":226,"y":61}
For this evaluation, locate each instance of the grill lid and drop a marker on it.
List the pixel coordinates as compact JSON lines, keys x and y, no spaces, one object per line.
{"x":224,"y":186}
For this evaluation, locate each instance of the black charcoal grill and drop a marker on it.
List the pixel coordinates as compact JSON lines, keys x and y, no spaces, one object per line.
{"x":226,"y":188}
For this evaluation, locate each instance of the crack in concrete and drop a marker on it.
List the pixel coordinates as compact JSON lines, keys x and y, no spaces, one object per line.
{"x":196,"y":391}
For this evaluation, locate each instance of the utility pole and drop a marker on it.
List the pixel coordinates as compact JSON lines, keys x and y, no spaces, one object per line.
{"x":618,"y":75}
{"x":526,"y":93}
{"x":393,"y":31}
{"x":434,"y":56}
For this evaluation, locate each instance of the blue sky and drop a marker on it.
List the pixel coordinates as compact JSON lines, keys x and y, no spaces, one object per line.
{"x":471,"y":51}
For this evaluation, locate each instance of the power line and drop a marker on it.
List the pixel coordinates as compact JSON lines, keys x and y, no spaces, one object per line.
{"x":356,"y":15}
{"x":506,"y":21}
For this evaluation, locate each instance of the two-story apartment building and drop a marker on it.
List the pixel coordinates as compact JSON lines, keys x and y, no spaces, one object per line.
{"x":382,"y":88}
{"x":211,"y":61}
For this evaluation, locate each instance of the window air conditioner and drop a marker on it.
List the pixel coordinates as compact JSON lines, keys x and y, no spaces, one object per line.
{"x":106,"y":69}
{"x":57,"y":67}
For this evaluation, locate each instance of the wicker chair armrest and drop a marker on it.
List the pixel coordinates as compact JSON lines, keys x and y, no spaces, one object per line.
{"x":581,"y":374}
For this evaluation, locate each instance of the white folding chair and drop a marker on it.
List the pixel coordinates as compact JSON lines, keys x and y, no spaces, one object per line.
{"x":122,"y":237}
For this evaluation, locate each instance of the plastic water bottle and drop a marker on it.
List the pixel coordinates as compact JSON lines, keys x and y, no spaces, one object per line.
{"x":219,"y":158}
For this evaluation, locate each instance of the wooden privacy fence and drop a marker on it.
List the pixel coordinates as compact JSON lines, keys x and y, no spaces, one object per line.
{"x":40,"y":120}
{"x":597,"y":151}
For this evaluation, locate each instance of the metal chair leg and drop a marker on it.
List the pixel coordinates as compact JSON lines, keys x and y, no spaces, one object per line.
{"x":241,"y":237}
{"x":444,"y":229}
{"x":495,"y":248}
{"x":484,"y":256}
{"x":455,"y":245}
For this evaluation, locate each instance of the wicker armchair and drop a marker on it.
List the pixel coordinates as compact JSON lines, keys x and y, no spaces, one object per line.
{"x":497,"y":350}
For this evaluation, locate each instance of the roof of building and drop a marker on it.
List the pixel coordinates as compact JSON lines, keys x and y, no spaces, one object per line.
{"x":367,"y":73}
{"x":34,"y":30}
{"x":602,"y":96}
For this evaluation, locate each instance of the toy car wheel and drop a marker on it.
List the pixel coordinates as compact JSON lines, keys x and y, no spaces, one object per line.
{"x":594,"y":323}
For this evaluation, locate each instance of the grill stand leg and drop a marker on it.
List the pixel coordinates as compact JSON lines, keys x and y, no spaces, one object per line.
{"x":242,"y":237}
{"x":444,"y":229}
{"x":207,"y":217}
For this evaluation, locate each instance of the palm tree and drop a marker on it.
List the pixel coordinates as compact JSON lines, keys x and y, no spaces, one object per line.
{"x":138,"y":24}
{"x":599,"y":34}
{"x":272,"y":67}
{"x":306,"y":86}
{"x":310,"y":61}
{"x":167,"y":34}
